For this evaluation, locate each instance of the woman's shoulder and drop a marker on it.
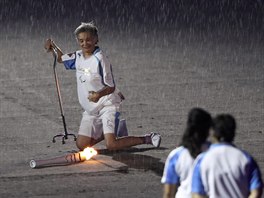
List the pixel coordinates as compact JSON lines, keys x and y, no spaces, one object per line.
{"x":177,"y":151}
{"x":100,"y":55}
{"x":98,"y":52}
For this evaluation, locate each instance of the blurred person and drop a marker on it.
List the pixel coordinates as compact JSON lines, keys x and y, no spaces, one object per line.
{"x":97,"y":93}
{"x":225,"y":170}
{"x":178,"y":166}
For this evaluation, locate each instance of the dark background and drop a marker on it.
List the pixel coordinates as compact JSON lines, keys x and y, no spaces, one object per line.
{"x":205,"y":17}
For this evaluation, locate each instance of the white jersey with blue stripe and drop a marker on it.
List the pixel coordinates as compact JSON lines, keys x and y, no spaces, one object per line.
{"x":177,"y":171}
{"x":225,"y":171}
{"x":93,"y":74}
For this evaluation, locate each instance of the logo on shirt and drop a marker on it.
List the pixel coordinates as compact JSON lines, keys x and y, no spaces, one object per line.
{"x":82,"y":80}
{"x":110,"y":124}
{"x":86,"y":71}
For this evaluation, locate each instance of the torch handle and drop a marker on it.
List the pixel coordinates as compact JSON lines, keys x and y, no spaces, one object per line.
{"x":57,"y":161}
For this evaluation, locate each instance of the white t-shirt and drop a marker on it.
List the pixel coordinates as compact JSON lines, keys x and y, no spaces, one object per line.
{"x":225,"y":171}
{"x":92,"y":74}
{"x":178,"y":171}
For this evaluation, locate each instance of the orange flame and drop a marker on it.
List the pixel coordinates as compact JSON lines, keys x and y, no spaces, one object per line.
{"x":88,"y":153}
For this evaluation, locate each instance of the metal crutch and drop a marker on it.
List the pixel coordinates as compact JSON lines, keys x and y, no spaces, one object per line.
{"x":66,"y":134}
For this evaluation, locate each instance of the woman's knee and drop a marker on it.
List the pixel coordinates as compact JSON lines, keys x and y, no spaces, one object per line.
{"x":111,"y":142}
{"x":111,"y":145}
{"x":83,"y":142}
{"x":80,"y":146}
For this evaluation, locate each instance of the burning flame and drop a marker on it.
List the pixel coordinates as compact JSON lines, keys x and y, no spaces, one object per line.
{"x":88,"y":153}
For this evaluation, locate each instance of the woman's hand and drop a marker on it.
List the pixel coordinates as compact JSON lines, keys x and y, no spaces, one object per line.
{"x":93,"y":96}
{"x":48,"y":45}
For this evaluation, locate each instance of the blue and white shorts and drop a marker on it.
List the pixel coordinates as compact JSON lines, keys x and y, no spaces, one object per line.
{"x":106,"y":121}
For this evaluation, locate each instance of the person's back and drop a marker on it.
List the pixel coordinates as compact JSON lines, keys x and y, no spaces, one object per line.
{"x":178,"y":167}
{"x":224,"y":170}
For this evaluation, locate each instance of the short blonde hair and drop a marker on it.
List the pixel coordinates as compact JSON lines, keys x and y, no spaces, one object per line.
{"x":87,"y":27}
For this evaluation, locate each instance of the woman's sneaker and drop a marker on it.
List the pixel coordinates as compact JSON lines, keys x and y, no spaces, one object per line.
{"x":153,"y":138}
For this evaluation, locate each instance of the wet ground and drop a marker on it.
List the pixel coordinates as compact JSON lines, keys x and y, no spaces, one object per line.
{"x":166,"y":57}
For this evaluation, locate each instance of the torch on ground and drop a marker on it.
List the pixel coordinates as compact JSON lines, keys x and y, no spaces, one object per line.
{"x":68,"y":159}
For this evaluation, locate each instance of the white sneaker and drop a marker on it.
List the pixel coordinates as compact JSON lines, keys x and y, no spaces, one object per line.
{"x":155,"y":139}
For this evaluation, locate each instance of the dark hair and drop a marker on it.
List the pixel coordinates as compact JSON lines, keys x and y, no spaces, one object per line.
{"x":197,"y":130}
{"x":224,"y":127}
{"x":87,"y":27}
